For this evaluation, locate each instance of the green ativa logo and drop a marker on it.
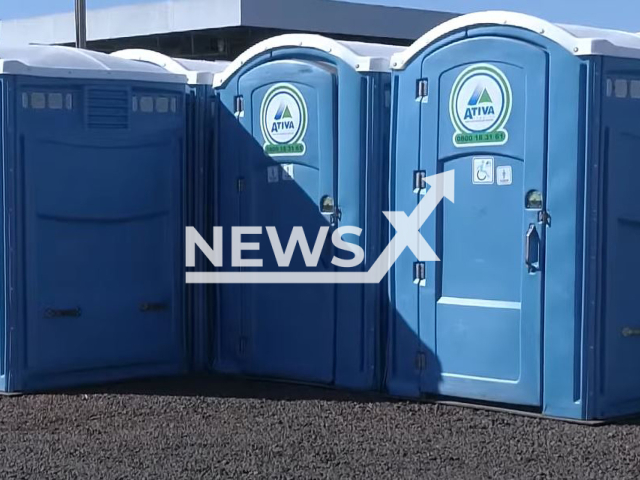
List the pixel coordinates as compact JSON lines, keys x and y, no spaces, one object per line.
{"x":283,"y":121}
{"x":480,"y":106}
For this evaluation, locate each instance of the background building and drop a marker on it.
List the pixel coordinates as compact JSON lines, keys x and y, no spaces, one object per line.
{"x":221,"y":29}
{"x":212,"y":29}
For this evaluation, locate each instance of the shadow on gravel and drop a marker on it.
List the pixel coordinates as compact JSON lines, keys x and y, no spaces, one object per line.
{"x":209,"y":386}
{"x":629,"y":421}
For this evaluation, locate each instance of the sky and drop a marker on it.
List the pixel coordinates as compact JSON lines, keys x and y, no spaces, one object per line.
{"x":617,"y":14}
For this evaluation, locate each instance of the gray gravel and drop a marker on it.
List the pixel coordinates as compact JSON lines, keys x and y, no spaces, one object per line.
{"x":197,"y":428}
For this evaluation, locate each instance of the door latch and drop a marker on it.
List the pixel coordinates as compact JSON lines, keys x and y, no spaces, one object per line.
{"x":329,"y":207}
{"x":335,"y":217}
{"x":544,"y":218}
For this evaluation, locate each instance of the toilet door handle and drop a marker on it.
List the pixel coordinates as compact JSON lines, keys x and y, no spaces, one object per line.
{"x":532,"y":249}
{"x":64,"y":312}
{"x":153,"y":307}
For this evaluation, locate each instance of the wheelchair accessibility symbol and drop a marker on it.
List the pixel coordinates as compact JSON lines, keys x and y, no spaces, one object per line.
{"x":483,"y":170}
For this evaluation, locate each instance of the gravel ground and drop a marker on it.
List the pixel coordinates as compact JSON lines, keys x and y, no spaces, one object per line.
{"x":197,"y":428}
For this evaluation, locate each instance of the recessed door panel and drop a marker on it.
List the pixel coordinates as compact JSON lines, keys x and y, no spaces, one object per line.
{"x":101,"y":254}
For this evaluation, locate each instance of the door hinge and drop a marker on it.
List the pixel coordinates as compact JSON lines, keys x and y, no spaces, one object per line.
{"x":421,"y":361}
{"x":418,"y":182}
{"x":240,"y":184}
{"x":242,"y":345}
{"x":420,"y":274}
{"x":239,"y":106}
{"x":422,"y":89}
{"x":544,"y":217}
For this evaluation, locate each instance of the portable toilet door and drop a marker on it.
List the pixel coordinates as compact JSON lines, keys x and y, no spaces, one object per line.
{"x":514,"y":108}
{"x":92,"y":152}
{"x":303,"y":145}
{"x":200,"y":112}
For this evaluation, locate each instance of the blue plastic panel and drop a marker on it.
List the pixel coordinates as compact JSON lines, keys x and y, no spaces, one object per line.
{"x":200,"y":299}
{"x":226,"y":334}
{"x":289,"y":329}
{"x":3,"y":320}
{"x":99,"y":209}
{"x":619,"y":325}
{"x":100,"y":255}
{"x":583,"y":376}
{"x":481,"y":312}
{"x":312,"y":333}
{"x":477,"y":322}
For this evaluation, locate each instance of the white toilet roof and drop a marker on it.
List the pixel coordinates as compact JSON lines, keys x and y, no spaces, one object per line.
{"x":198,"y":72}
{"x":363,"y":57}
{"x":580,"y":41}
{"x":61,"y":62}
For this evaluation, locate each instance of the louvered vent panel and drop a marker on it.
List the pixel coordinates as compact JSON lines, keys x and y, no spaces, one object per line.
{"x":107,"y":108}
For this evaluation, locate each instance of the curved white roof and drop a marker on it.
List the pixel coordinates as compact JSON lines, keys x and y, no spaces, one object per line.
{"x":580,"y":41}
{"x":198,"y":72}
{"x":363,"y":57}
{"x":57,"y":61}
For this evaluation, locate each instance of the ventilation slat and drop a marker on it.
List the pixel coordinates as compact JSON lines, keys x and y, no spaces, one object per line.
{"x":108,"y":102}
{"x":108,"y":108}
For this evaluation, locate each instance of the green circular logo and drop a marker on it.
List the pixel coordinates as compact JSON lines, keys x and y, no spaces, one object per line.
{"x":480,"y":106}
{"x":284,"y":120}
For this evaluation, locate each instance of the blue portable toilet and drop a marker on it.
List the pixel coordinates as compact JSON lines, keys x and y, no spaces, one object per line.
{"x":533,"y":302}
{"x":304,"y":143}
{"x":92,"y":149}
{"x":200,"y":109}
